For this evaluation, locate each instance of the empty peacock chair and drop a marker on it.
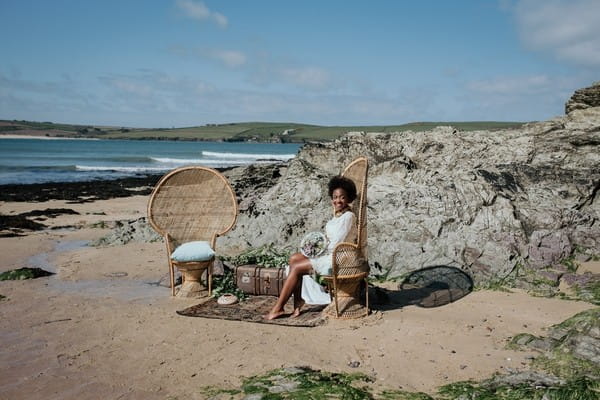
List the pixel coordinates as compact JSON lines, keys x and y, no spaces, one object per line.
{"x":190,"y":207}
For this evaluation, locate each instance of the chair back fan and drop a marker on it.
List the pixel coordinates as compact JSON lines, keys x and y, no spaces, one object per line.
{"x":357,"y":171}
{"x":193,"y":203}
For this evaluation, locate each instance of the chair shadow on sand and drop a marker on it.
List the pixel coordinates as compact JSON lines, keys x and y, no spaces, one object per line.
{"x":428,"y":287}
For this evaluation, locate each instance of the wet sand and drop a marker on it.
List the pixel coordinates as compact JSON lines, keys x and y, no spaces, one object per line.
{"x":101,"y":328}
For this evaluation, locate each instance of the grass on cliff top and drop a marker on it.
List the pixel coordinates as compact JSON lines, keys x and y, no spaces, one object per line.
{"x":244,"y":131}
{"x":264,"y":131}
{"x":15,"y":126}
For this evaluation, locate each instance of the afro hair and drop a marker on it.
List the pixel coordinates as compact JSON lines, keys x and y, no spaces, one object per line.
{"x":340,"y":182}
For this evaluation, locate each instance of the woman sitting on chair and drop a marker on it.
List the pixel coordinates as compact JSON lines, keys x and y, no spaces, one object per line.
{"x":341,"y":228}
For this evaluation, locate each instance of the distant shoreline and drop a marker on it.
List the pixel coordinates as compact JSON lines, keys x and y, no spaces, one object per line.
{"x":9,"y":136}
{"x":243,"y":132}
{"x":140,"y":139}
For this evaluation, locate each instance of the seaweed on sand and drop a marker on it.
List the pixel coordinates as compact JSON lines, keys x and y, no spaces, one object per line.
{"x":301,"y":383}
{"x":24,"y":273}
{"x":565,"y":370}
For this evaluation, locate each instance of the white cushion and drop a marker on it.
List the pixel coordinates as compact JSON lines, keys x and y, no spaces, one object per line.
{"x":193,"y":251}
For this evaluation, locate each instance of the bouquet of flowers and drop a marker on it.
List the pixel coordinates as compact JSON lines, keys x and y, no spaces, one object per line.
{"x":313,"y":244}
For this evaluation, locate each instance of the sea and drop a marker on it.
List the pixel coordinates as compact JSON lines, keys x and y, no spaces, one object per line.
{"x":25,"y":161}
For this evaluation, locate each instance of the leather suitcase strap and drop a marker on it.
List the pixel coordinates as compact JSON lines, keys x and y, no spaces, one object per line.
{"x":257,"y":280}
{"x":265,"y":281}
{"x":245,"y":278}
{"x":271,"y":280}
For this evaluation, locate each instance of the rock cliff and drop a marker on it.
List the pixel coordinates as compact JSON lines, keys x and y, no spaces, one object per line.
{"x":496,"y":204}
{"x":584,"y":98}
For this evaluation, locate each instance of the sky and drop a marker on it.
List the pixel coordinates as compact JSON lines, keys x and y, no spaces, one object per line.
{"x":175,"y":63}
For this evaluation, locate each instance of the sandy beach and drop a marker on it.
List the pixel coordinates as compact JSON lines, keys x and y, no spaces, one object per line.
{"x":99,"y":329}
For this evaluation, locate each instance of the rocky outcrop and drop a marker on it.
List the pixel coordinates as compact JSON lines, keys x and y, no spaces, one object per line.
{"x":123,"y":232}
{"x":584,"y":98}
{"x":492,"y":203}
{"x":572,"y":348}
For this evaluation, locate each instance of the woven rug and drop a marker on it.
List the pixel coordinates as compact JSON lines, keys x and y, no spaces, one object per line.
{"x":252,"y":310}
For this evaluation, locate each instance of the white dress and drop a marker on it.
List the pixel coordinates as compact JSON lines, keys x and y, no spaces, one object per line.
{"x":338,"y":229}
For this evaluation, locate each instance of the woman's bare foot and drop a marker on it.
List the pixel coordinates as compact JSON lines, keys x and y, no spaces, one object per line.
{"x":297,"y":308}
{"x":273,"y":315}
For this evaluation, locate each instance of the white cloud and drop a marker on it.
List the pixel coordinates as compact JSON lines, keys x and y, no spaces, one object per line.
{"x":220,"y":19}
{"x":194,"y":10}
{"x":157,"y":99}
{"x":569,"y":30}
{"x":517,"y":98}
{"x":230,"y":58}
{"x":513,"y":86}
{"x":135,"y":88}
{"x":306,"y":77}
{"x":261,"y":69}
{"x":197,"y":10}
{"x":267,"y":70}
{"x":146,"y":83}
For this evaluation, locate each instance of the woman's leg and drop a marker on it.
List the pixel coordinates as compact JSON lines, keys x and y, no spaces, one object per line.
{"x":298,"y":300}
{"x":299,"y":266}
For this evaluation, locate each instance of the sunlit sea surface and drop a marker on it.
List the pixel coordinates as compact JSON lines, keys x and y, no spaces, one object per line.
{"x":39,"y":160}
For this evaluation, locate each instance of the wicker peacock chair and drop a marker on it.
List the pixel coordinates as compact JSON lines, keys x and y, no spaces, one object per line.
{"x":192,"y":205}
{"x":350,"y":265}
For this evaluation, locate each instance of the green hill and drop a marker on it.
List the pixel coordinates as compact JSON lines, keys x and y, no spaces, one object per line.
{"x":243,"y":131}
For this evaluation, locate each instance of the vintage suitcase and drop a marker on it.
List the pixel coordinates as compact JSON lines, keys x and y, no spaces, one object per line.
{"x":257,"y":280}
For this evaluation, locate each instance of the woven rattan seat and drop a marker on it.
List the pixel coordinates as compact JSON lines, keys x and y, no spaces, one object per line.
{"x":192,"y":204}
{"x":350,"y":266}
